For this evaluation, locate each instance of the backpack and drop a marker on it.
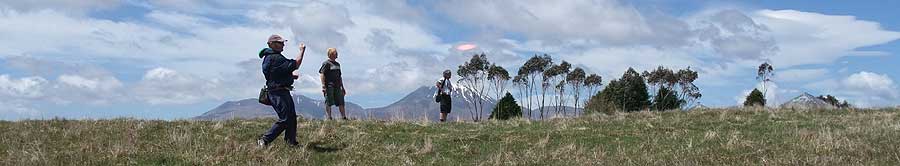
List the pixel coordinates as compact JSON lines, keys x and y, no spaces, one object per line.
{"x":437,"y":95}
{"x":264,"y":96}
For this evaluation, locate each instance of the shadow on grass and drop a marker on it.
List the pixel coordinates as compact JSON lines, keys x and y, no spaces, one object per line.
{"x":323,"y":147}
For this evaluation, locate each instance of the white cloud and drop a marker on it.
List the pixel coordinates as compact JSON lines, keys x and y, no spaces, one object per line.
{"x":815,"y":38}
{"x":28,"y":87}
{"x":602,"y":21}
{"x":862,"y":89}
{"x":732,"y":34}
{"x":79,"y":82}
{"x":166,"y":86}
{"x":800,"y":75}
{"x":870,"y":81}
{"x":74,"y":7}
{"x":179,"y":20}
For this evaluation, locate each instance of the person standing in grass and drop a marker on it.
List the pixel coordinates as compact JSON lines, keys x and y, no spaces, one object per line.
{"x":445,"y":87}
{"x":278,"y":71}
{"x":332,"y":84}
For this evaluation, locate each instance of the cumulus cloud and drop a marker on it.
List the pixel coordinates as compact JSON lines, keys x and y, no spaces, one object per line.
{"x":166,"y":86}
{"x":317,"y":21}
{"x":28,"y":87}
{"x":862,"y":89}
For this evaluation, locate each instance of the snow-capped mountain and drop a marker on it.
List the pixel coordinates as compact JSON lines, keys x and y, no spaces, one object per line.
{"x":807,"y":101}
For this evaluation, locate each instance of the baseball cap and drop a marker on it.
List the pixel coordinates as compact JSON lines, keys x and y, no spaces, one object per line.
{"x":276,"y":38}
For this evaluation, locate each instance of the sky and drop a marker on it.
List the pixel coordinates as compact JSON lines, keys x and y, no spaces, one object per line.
{"x":175,"y":59}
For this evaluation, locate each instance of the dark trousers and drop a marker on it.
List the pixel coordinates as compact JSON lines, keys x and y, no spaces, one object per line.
{"x":287,"y":118}
{"x":445,"y":103}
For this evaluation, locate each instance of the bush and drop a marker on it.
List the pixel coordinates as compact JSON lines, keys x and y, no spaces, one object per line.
{"x":755,"y":98}
{"x":506,"y":108}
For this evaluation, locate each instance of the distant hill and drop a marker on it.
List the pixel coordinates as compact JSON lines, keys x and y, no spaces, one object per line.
{"x":807,"y":101}
{"x":417,"y":104}
{"x":420,"y":103}
{"x":250,"y":108}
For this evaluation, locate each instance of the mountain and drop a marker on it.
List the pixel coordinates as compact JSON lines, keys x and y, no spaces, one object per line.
{"x":420,"y":103}
{"x":807,"y":101}
{"x":417,"y":104}
{"x":250,"y":108}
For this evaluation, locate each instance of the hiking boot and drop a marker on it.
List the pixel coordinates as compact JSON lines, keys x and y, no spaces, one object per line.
{"x":345,"y":119}
{"x":262,"y":142}
{"x":292,"y":143}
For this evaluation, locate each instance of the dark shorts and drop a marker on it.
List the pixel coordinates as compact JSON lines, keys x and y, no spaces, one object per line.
{"x":446,"y":104}
{"x":334,"y":97}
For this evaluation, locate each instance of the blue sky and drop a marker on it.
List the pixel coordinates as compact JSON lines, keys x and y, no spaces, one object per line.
{"x":178,"y":59}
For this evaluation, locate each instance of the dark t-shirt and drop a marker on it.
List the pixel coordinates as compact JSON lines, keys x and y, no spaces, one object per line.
{"x":332,"y":72}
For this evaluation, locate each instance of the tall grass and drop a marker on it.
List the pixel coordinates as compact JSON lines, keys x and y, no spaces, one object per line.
{"x":708,"y":137}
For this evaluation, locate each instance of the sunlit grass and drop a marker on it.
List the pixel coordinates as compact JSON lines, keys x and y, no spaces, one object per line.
{"x":708,"y":137}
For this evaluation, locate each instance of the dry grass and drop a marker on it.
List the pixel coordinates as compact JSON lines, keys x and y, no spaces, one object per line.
{"x":708,"y":137}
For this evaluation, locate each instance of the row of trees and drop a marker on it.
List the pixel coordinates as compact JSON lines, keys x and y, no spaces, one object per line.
{"x":537,"y":79}
{"x":539,"y":74}
{"x":672,"y":90}
{"x":546,"y":87}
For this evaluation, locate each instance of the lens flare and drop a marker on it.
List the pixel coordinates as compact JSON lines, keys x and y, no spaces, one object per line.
{"x":466,"y":47}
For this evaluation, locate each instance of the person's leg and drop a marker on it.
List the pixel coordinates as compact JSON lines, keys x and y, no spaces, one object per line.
{"x":280,"y":106}
{"x":339,"y":101}
{"x":328,"y":112}
{"x":290,"y":133}
{"x":329,"y":100}
{"x":446,"y":105}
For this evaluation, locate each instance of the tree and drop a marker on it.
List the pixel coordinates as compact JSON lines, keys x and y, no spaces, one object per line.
{"x":680,"y":83}
{"x":552,"y":75}
{"x":506,"y":108}
{"x":499,"y":78}
{"x":473,"y":75}
{"x":690,"y":93}
{"x":521,"y":83}
{"x":593,"y":83}
{"x":662,"y":81}
{"x":636,"y":96}
{"x":755,"y":98}
{"x":764,"y":74}
{"x":576,"y":81}
{"x":628,"y":93}
{"x":530,"y":71}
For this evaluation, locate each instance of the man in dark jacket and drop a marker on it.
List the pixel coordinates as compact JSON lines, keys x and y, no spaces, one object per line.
{"x":278,"y":71}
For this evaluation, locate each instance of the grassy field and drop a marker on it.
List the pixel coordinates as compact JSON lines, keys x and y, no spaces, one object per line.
{"x":710,"y":137}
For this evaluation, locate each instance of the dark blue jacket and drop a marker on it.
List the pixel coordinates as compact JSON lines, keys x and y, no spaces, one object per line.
{"x":277,"y":69}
